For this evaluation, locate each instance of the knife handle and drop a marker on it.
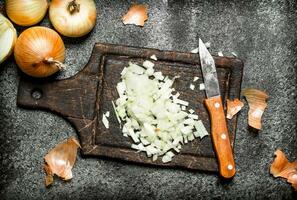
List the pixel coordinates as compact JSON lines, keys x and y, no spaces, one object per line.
{"x":220,"y":137}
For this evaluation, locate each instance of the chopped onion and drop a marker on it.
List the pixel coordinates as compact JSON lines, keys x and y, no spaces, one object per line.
{"x":195,"y":79}
{"x":148,"y":64}
{"x":154,"y":57}
{"x":207,"y":44}
{"x":220,"y":54}
{"x":121,"y":88}
{"x":159,"y":76}
{"x":105,"y":121}
{"x":179,"y":101}
{"x":193,"y":116}
{"x":155,"y":119}
{"x":201,"y":131}
{"x":201,"y":86}
{"x":192,"y":87}
{"x":234,"y":54}
{"x":195,"y":50}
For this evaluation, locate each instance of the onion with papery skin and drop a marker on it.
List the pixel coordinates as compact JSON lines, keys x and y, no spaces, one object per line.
{"x":8,"y":38}
{"x":26,"y":12}
{"x":39,"y":52}
{"x":73,"y":18}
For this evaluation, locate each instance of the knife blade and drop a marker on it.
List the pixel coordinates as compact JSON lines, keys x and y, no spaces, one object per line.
{"x":219,"y":130}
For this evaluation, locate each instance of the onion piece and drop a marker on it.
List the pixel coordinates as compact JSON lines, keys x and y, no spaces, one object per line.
{"x":193,"y":116}
{"x":121,"y":88}
{"x":201,"y":131}
{"x":281,"y":167}
{"x":105,"y":121}
{"x":234,"y":54}
{"x":201,"y":86}
{"x":207,"y":44}
{"x":148,"y":64}
{"x":191,"y":111}
{"x":182,"y":102}
{"x":220,"y":54}
{"x":233,"y":107}
{"x":137,"y":15}
{"x":154,"y":57}
{"x":192,"y":87}
{"x":60,"y":160}
{"x":195,"y":50}
{"x":195,"y":79}
{"x":159,"y":76}
{"x":257,"y":103}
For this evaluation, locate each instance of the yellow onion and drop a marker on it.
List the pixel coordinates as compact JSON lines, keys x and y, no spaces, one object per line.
{"x":73,"y":18}
{"x":39,"y":52}
{"x":8,"y":37}
{"x":26,"y":12}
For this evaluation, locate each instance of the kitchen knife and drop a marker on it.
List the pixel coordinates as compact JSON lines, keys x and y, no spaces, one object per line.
{"x":219,"y":130}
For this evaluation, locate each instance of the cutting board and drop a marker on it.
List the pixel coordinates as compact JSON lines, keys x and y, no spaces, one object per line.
{"x":83,"y":98}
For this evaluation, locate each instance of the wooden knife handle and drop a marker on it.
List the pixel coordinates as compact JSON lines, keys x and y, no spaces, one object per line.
{"x":220,"y":137}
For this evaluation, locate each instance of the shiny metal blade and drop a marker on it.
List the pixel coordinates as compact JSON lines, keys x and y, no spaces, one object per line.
{"x":209,"y":71}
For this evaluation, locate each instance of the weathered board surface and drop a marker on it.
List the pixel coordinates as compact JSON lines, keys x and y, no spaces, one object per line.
{"x":83,"y":98}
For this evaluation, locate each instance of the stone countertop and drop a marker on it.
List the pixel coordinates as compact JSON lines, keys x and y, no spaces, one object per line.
{"x":263,"y":33}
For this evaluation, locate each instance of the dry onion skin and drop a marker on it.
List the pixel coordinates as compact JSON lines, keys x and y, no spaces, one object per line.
{"x":39,"y":52}
{"x":281,"y":167}
{"x":60,"y":160}
{"x":73,"y":18}
{"x":8,"y":36}
{"x":26,"y":12}
{"x":257,"y":104}
{"x":233,"y":107}
{"x":137,"y":15}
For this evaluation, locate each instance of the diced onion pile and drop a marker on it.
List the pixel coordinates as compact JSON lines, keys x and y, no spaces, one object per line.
{"x":152,"y":115}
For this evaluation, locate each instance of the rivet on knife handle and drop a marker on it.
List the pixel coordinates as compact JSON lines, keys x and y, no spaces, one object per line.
{"x":220,"y":137}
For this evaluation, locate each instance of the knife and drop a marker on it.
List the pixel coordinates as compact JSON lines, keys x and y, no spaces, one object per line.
{"x":213,"y":102}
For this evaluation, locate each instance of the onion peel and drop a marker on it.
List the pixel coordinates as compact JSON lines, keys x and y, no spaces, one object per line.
{"x":233,"y":107}
{"x":281,"y":167}
{"x":60,"y":160}
{"x":137,"y":15}
{"x":49,"y":179}
{"x":257,"y":103}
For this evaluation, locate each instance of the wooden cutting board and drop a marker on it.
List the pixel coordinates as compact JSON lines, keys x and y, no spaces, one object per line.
{"x":83,"y":98}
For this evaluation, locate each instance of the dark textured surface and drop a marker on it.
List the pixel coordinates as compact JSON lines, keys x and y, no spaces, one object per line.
{"x":263,"y":33}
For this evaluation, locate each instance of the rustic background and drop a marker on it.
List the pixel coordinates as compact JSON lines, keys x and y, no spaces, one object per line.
{"x":262,"y":33}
